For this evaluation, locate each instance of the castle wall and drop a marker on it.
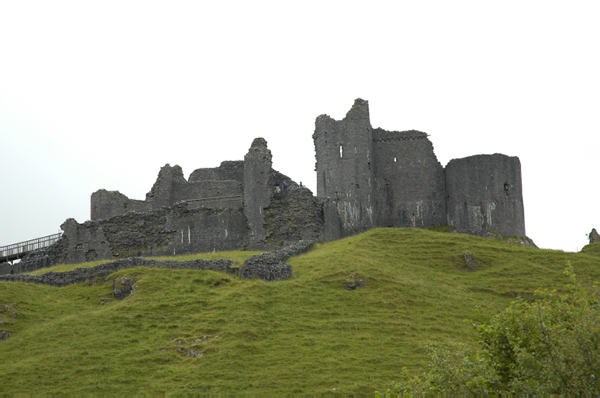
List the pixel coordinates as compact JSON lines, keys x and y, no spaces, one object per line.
{"x":344,"y":169}
{"x":484,"y":193}
{"x":297,"y":216}
{"x":409,"y":180}
{"x":206,"y":189}
{"x":228,"y":170}
{"x":170,"y":180}
{"x":171,"y":187}
{"x":257,"y":191}
{"x":106,"y":204}
{"x":168,"y":231}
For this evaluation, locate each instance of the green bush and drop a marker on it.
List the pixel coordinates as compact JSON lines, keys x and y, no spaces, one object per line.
{"x":549,"y":345}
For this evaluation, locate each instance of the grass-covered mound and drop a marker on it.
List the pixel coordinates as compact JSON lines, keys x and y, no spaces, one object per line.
{"x":307,"y":334}
{"x":592,"y":248}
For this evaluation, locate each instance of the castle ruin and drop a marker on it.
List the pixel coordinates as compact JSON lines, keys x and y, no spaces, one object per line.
{"x":366,"y":178}
{"x":376,"y":178}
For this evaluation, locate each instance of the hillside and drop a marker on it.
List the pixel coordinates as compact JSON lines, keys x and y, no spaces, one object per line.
{"x":307,"y":334}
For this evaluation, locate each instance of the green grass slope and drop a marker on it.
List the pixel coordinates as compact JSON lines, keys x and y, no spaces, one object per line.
{"x":307,"y":334}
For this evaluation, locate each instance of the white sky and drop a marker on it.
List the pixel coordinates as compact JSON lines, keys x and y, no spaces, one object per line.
{"x":101,"y":94}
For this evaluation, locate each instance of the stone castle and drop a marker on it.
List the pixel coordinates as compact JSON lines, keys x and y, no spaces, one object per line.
{"x":366,"y":178}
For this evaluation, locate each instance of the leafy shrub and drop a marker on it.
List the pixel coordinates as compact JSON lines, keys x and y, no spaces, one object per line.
{"x":549,"y":345}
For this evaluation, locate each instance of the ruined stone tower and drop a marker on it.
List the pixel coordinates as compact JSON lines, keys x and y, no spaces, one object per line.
{"x":484,"y":193}
{"x":376,"y":178}
{"x":344,"y":167}
{"x":257,"y":191}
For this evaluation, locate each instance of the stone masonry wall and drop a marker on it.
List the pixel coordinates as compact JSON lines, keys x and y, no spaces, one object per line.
{"x":257,"y":191}
{"x":409,"y":180}
{"x":171,"y":187}
{"x":228,"y":170}
{"x":395,"y":180}
{"x":297,"y":216}
{"x":344,"y":166}
{"x":106,"y":204}
{"x":365,"y":178}
{"x":484,"y":193}
{"x":168,"y":231}
{"x":170,"y":180}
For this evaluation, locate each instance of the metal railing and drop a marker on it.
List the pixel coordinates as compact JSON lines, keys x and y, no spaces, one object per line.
{"x":18,"y":250}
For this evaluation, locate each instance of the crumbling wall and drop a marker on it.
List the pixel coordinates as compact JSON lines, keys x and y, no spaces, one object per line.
{"x":206,"y":229}
{"x":484,"y":193}
{"x":170,"y":180}
{"x":82,"y":275}
{"x":344,"y":167}
{"x":106,"y":204}
{"x":297,"y":216}
{"x":228,"y":170}
{"x":171,"y":187}
{"x":409,"y":180}
{"x":257,"y":191}
{"x":167,"y":231}
{"x":395,"y":180}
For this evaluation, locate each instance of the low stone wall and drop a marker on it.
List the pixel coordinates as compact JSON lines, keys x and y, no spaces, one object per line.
{"x":272,"y":266}
{"x":265,"y":266}
{"x":80,"y":275}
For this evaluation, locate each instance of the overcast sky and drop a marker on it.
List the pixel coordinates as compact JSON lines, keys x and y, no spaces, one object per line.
{"x":101,"y":94}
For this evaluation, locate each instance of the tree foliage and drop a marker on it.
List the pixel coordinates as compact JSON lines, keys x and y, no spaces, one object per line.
{"x":548,"y":345}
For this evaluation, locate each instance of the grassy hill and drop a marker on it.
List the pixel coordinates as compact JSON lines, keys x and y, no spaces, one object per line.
{"x":307,"y":334}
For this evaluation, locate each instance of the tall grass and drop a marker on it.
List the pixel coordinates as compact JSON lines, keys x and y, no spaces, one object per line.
{"x":307,"y":334}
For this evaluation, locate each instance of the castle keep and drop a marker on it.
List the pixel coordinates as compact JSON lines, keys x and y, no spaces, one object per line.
{"x":376,"y":178}
{"x":366,"y":178}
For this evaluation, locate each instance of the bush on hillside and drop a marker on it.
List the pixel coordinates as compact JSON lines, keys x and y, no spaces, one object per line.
{"x":550,"y":345}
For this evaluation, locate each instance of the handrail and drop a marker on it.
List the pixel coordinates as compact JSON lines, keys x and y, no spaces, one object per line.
{"x":21,"y":248}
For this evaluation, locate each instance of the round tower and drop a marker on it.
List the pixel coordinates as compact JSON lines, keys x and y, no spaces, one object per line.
{"x":484,"y":193}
